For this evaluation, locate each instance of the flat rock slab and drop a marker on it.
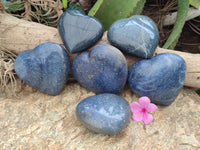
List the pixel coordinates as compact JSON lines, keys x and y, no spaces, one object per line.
{"x":39,"y":121}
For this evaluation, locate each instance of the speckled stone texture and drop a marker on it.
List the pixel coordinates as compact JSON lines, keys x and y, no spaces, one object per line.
{"x":137,"y":36}
{"x":45,"y":68}
{"x":161,"y":78}
{"x":34,"y":120}
{"x":79,"y":32}
{"x":102,"y":70}
{"x":104,"y":113}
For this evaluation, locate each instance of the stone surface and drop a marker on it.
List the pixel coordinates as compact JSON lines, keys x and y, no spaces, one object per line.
{"x":104,"y":113}
{"x":79,"y":32}
{"x":34,"y":120}
{"x":45,"y":68}
{"x":161,"y":78}
{"x":102,"y":70}
{"x":137,"y":36}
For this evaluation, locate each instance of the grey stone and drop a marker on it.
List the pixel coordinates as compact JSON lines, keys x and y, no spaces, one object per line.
{"x":104,"y":113}
{"x":137,"y":36}
{"x":79,"y":32}
{"x":45,"y":68}
{"x":161,"y":78}
{"x":102,"y":70}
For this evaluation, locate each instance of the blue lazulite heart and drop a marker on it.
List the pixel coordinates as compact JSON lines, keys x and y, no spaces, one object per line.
{"x":137,"y":36}
{"x":104,"y":113}
{"x":102,"y":70}
{"x":45,"y":68}
{"x":161,"y":78}
{"x":79,"y":32}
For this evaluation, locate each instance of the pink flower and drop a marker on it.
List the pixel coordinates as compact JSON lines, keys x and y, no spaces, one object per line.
{"x":140,"y":111}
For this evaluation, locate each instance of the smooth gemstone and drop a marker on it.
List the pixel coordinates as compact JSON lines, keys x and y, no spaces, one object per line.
{"x":160,"y":78}
{"x":137,"y":36}
{"x":104,"y":113}
{"x":44,"y":68}
{"x":102,"y":70}
{"x":79,"y":32}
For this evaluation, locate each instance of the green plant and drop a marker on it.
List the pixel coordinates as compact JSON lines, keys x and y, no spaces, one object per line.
{"x":183,"y":6}
{"x":108,"y":11}
{"x":13,"y":6}
{"x":64,"y":3}
{"x":95,"y":8}
{"x":195,"y":3}
{"x":71,"y":6}
{"x":197,"y":91}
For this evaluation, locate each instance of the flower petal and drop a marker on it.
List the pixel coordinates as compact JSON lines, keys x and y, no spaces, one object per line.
{"x":138,"y":116}
{"x":152,"y":107}
{"x":135,"y":107}
{"x":147,"y":118}
{"x":144,"y":101}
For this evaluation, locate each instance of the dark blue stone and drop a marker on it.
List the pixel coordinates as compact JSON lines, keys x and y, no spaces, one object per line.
{"x":137,"y":36}
{"x":45,"y":68}
{"x":104,"y":113}
{"x":78,"y":31}
{"x":160,"y":78}
{"x":102,"y":70}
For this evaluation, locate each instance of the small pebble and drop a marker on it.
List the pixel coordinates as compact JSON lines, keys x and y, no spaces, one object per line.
{"x":137,"y":36}
{"x":79,"y":32}
{"x":44,"y":68}
{"x":104,"y":113}
{"x":160,"y":78}
{"x":102,"y":70}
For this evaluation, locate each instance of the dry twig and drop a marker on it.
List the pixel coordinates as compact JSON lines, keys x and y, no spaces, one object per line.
{"x":7,"y":73}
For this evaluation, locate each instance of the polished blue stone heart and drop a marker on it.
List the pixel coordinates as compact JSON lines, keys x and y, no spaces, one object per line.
{"x":79,"y":32}
{"x":45,"y":68}
{"x":104,"y":113}
{"x":137,"y":36}
{"x":102,"y":70}
{"x":161,"y":78}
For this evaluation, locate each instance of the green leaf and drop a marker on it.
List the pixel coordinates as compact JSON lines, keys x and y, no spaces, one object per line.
{"x":108,"y":11}
{"x":139,"y":7}
{"x":13,"y":6}
{"x":183,"y":6}
{"x":197,"y":91}
{"x":64,"y":3}
{"x":95,"y":8}
{"x":195,"y":3}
